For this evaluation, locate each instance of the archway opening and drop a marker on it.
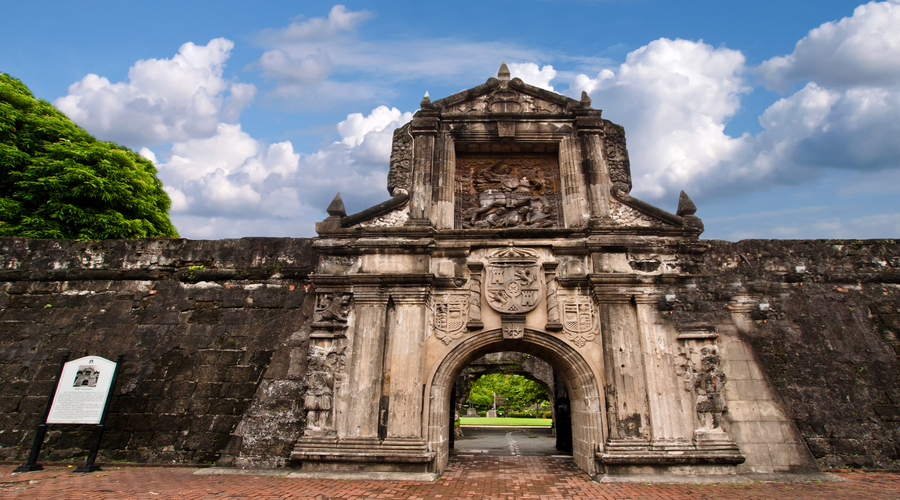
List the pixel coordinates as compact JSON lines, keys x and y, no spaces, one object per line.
{"x":582,"y":388}
{"x":510,"y":404}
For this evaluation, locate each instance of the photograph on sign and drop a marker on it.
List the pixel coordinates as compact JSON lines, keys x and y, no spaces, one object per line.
{"x":83,"y":388}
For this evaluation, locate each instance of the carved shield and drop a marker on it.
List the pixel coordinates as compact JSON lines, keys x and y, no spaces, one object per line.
{"x":512,"y":284}
{"x":450,"y":313}
{"x":578,"y":314}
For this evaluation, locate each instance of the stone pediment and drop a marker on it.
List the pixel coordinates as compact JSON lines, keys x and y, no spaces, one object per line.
{"x":506,"y":155}
{"x":505,"y":96}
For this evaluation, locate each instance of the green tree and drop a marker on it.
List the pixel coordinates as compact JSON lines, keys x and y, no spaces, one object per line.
{"x":517,"y":390}
{"x":57,"y":181}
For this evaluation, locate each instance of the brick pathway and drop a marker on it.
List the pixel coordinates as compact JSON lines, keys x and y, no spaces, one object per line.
{"x":467,"y":477}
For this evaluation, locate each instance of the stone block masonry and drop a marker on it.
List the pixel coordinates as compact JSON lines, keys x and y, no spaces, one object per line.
{"x":204,"y":327}
{"x":216,"y":338}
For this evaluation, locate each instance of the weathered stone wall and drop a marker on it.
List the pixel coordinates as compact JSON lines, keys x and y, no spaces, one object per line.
{"x":215,"y":340}
{"x":823,"y":320}
{"x":206,"y":328}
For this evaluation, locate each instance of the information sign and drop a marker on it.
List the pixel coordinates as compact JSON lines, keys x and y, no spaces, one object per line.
{"x":82,"y":391}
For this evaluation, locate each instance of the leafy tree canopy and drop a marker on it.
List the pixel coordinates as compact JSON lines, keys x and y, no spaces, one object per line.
{"x":517,"y":390}
{"x":57,"y":181}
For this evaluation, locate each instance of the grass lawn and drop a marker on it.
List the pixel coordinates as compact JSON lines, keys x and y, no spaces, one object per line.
{"x":504,"y":421}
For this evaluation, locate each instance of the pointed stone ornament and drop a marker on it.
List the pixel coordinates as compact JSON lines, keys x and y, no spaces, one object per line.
{"x":503,"y":74}
{"x":426,"y":102}
{"x":685,"y":205}
{"x":336,"y":208}
{"x":585,"y":100}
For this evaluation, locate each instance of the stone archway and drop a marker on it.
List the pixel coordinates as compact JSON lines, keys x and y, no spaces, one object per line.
{"x":582,"y":385}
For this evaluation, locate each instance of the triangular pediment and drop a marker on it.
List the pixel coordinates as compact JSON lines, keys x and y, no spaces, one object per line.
{"x":505,"y":97}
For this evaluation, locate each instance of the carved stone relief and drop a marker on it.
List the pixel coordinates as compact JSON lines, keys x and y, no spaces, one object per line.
{"x":332,"y":311}
{"x":579,"y":319}
{"x":704,"y":378}
{"x":401,"y":160}
{"x":512,"y":284}
{"x":627,"y":216}
{"x":508,"y":191}
{"x":392,"y":219}
{"x":324,"y":372}
{"x":504,"y":100}
{"x":617,"y":155}
{"x":450,"y":314}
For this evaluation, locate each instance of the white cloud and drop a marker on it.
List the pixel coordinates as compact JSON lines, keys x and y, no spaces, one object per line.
{"x":532,"y":75}
{"x":673,"y":97}
{"x":219,"y":183}
{"x":321,"y":28}
{"x":861,"y":50}
{"x":320,"y":61}
{"x":163,"y":100}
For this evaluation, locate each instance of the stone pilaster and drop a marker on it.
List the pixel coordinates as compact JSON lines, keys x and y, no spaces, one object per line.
{"x":553,"y":323}
{"x":407,"y":344}
{"x":626,"y":386}
{"x":598,"y":174}
{"x":667,"y":420}
{"x":443,"y":180}
{"x":365,"y":364}
{"x":576,"y":211}
{"x":475,"y":270}
{"x":424,"y":131}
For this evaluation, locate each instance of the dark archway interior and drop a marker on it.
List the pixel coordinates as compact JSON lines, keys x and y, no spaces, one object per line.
{"x":513,"y":363}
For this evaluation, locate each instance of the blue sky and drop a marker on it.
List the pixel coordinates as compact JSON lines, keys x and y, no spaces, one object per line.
{"x":779,"y":119}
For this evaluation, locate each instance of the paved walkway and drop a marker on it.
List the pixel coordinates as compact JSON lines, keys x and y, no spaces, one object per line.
{"x":467,"y":477}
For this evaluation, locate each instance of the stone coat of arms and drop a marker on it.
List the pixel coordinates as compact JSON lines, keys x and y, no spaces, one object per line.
{"x":579,"y":319}
{"x":450,"y":313}
{"x":512,"y":284}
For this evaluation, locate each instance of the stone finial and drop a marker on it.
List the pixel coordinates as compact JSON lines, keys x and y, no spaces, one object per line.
{"x":585,"y":100}
{"x":426,"y":101}
{"x":503,"y":74}
{"x":685,"y":205}
{"x":336,"y":208}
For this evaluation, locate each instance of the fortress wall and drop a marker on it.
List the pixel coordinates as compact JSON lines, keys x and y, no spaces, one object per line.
{"x":215,"y":332}
{"x":823,"y":320}
{"x":203,"y":325}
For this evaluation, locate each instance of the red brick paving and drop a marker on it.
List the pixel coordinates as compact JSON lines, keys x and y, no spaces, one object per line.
{"x":467,"y":478}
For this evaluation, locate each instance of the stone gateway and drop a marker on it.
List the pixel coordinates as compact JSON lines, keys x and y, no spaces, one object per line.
{"x":511,"y":229}
{"x":510,"y":244}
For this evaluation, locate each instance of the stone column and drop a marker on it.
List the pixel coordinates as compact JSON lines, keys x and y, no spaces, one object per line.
{"x":598,"y":173}
{"x":407,"y":334}
{"x":663,"y":391}
{"x":626,"y":386}
{"x":576,"y":211}
{"x":365,"y":367}
{"x":443,"y":178}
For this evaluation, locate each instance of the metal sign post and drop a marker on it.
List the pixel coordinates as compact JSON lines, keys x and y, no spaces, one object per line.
{"x":81,"y":396}
{"x":32,"y":465}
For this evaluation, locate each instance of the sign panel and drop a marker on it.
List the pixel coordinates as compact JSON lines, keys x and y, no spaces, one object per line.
{"x":83,"y":388}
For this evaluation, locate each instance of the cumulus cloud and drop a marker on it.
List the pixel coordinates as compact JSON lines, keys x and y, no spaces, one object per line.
{"x":162,"y":100}
{"x":532,"y":75}
{"x":861,"y":50}
{"x":219,"y":183}
{"x":673,"y":97}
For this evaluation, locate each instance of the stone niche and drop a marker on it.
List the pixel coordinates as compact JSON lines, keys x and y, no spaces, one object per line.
{"x":510,"y":228}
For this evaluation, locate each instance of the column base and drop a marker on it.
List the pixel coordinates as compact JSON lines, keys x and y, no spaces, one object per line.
{"x":670,"y":457}
{"x":361,"y":455}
